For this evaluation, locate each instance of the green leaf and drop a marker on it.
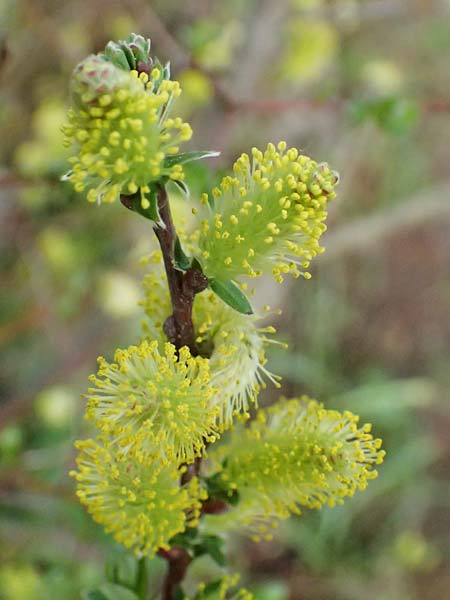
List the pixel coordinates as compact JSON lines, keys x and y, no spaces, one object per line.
{"x":129,"y":55}
{"x":134,"y":203}
{"x":186,"y":157}
{"x":182,"y":261}
{"x":181,"y":185}
{"x":139,"y":46}
{"x":166,"y":71}
{"x":109,"y":591}
{"x":115,"y":54}
{"x":141,"y":587}
{"x":122,"y":568}
{"x":231,"y":295}
{"x":179,"y":594}
{"x":218,"y":491}
{"x":196,"y":265}
{"x":187,"y":539}
{"x":213,"y":545}
{"x":152,"y":211}
{"x":211,"y":588}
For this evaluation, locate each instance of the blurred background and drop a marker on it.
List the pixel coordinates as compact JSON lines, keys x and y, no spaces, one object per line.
{"x":361,"y":84}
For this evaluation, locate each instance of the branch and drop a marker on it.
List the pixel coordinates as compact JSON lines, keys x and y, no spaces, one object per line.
{"x":179,"y":327}
{"x":424,"y":208}
{"x":178,"y":561}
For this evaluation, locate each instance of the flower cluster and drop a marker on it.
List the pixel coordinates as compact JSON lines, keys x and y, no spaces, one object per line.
{"x":136,"y":498}
{"x":159,"y":407}
{"x":296,"y":453}
{"x":268,"y":216}
{"x":122,"y":131}
{"x":156,"y":400}
{"x":152,"y":412}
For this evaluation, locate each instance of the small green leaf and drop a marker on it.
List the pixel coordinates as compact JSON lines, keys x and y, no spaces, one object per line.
{"x":186,"y":157}
{"x":129,"y":55}
{"x":166,"y":71}
{"x":142,"y":579}
{"x":179,"y":594}
{"x":218,"y":491}
{"x":182,"y":261}
{"x":115,"y":54}
{"x":152,"y":211}
{"x":210,"y":589}
{"x":122,"y":569}
{"x":214,"y":547}
{"x":182,"y":186}
{"x":186,"y":539}
{"x":109,"y":591}
{"x":231,"y":295}
{"x":134,"y":203}
{"x":233,"y":498}
{"x":139,"y":46}
{"x":196,"y":265}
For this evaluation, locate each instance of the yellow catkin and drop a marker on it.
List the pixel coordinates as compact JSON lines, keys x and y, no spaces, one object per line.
{"x":152,"y":397}
{"x":294,"y":454}
{"x":136,"y":498}
{"x":120,"y":131}
{"x":268,"y":216}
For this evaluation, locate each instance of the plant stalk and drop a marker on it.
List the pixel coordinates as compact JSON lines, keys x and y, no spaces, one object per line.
{"x":179,"y":327}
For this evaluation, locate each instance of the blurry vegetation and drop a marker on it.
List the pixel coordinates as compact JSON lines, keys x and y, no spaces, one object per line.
{"x":363,"y":83}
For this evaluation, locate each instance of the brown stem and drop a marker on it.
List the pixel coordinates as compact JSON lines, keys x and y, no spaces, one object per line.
{"x":179,"y":327}
{"x":178,"y":561}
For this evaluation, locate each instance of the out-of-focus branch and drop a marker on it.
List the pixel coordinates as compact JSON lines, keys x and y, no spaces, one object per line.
{"x":14,"y":480}
{"x":30,"y":319}
{"x":375,"y":10}
{"x":432,"y":205}
{"x":181,"y":59}
{"x":17,"y":407}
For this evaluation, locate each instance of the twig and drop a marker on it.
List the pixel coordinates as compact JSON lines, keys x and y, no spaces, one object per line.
{"x":178,"y":561}
{"x":428,"y":206}
{"x":29,"y":320}
{"x":179,"y":327}
{"x":276,"y":106}
{"x":17,"y":407}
